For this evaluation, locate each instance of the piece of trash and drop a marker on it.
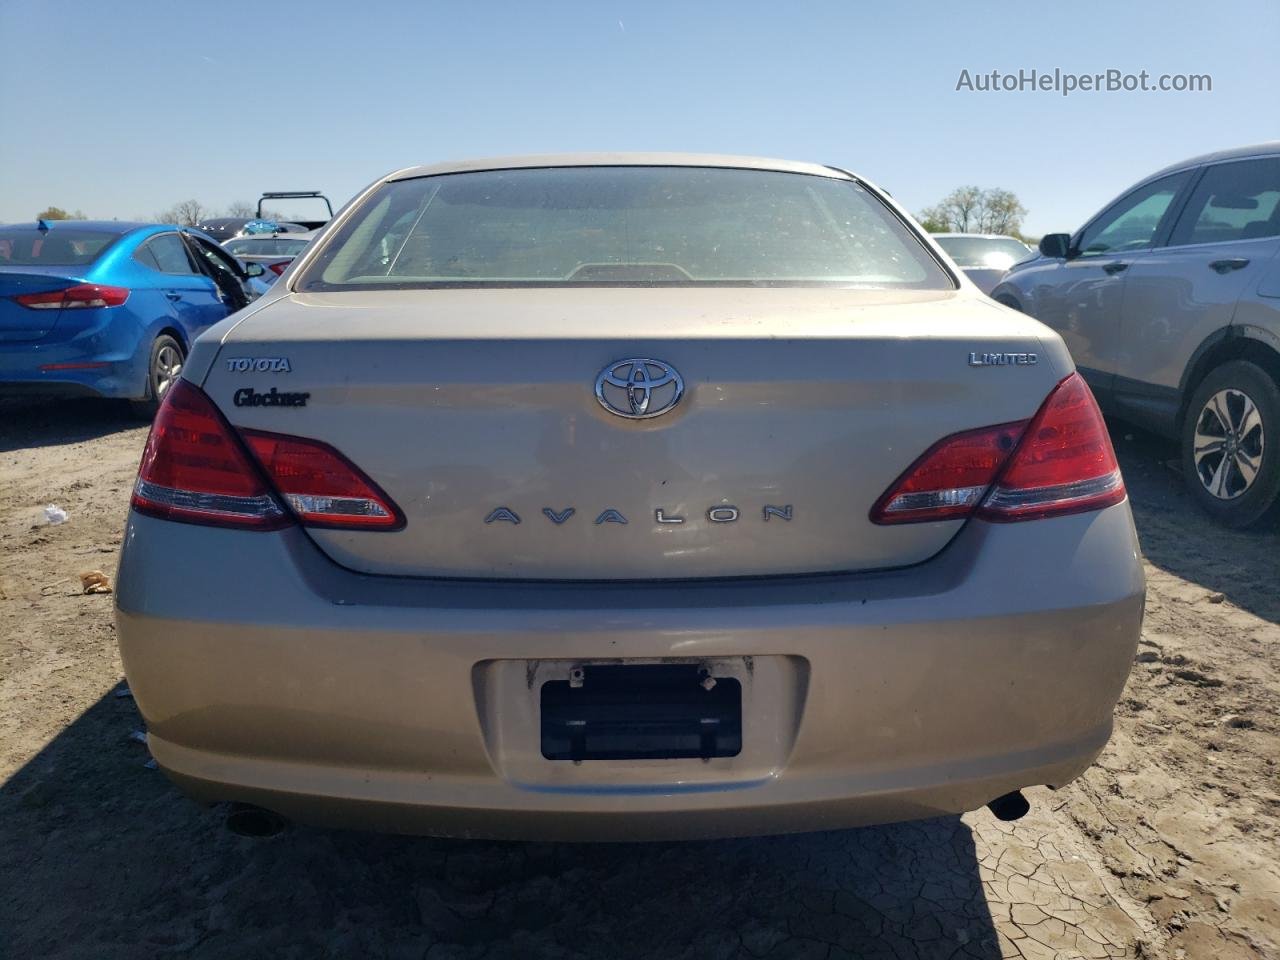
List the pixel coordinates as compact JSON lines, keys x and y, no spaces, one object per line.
{"x":138,"y":736}
{"x":123,"y":692}
{"x":151,"y":764}
{"x":95,"y":581}
{"x":55,"y":514}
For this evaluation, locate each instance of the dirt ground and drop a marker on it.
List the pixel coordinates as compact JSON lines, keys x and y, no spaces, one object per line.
{"x":1168,"y":847}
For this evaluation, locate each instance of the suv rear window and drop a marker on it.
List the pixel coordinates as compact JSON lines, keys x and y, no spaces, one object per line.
{"x":55,"y":247}
{"x":581,"y":226}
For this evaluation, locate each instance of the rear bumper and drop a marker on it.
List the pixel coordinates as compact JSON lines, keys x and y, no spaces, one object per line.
{"x":267,"y":674}
{"x":112,"y":350}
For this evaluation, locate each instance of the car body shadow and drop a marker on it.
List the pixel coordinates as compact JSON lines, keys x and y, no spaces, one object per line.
{"x":1177,"y":536}
{"x":103,"y":858}
{"x":46,"y":422}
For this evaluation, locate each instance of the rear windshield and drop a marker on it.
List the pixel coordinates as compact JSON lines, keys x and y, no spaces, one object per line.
{"x":580,"y":226}
{"x":27,"y":247}
{"x":997,"y":253}
{"x":264,"y":247}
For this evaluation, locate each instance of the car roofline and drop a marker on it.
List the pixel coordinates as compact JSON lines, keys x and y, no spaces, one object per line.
{"x":1269,"y":149}
{"x":534,"y":161}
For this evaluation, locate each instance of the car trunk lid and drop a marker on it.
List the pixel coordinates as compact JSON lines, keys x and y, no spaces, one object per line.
{"x":476,"y":412}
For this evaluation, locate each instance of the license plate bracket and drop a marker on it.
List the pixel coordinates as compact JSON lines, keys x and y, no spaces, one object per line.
{"x":647,"y":711}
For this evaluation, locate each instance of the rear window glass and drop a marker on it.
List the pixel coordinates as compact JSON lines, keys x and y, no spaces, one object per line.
{"x":264,"y":247}
{"x":580,"y":226}
{"x":54,"y":247}
{"x":996,"y":253}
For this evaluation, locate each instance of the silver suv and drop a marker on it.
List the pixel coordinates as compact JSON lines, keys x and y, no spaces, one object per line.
{"x":1169,"y":300}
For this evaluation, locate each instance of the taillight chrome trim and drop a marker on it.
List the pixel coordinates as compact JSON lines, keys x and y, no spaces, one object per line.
{"x":950,"y":498}
{"x":209,"y":509}
{"x":1036,"y":503}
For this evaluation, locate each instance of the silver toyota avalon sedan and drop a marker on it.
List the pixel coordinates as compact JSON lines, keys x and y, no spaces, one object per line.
{"x":626,"y":496}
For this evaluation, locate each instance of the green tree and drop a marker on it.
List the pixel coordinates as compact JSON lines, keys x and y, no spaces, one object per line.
{"x":57,"y":213}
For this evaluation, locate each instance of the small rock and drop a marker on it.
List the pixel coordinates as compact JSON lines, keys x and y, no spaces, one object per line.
{"x":1216,"y":597}
{"x":1147,"y":656}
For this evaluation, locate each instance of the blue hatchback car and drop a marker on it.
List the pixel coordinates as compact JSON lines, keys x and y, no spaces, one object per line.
{"x":109,"y":309}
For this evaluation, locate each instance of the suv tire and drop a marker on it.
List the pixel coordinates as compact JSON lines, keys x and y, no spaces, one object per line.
{"x":1231,"y":444}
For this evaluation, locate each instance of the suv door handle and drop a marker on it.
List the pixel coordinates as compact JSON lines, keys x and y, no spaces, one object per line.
{"x":1114,"y":267}
{"x":173,"y":295}
{"x":1229,"y":264}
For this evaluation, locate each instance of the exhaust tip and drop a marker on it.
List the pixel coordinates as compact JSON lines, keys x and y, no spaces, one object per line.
{"x":246,"y":820}
{"x":1012,"y":806}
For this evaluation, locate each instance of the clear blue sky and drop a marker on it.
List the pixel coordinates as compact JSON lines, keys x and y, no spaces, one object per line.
{"x":122,"y":108}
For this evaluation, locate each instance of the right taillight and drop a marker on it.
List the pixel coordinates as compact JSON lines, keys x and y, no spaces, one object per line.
{"x":1061,"y":462}
{"x":1064,"y":464}
{"x":279,"y":268}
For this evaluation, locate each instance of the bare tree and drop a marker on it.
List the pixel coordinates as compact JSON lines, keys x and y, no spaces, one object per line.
{"x":972,"y":209}
{"x":241,"y":208}
{"x":187,"y":213}
{"x":1002,"y":212}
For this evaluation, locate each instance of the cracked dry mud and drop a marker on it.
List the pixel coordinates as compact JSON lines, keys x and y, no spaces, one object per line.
{"x":1168,"y":847}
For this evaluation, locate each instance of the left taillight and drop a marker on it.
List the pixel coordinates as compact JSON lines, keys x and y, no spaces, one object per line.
{"x":279,"y":268}
{"x":79,"y":297}
{"x":197,"y":468}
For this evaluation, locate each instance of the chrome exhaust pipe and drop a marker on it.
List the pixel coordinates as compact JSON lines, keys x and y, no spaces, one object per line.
{"x":1012,"y":806}
{"x":246,"y":820}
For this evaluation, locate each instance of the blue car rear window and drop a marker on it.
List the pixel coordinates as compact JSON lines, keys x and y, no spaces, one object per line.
{"x":56,"y":247}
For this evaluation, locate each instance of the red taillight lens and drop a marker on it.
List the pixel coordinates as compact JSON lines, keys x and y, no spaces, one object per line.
{"x":321,"y":486}
{"x":279,"y":268}
{"x":79,"y":297}
{"x":950,"y":479}
{"x":196,"y":470}
{"x":1064,"y":464}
